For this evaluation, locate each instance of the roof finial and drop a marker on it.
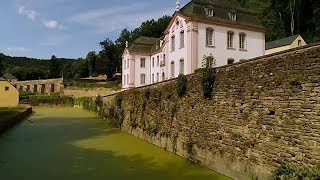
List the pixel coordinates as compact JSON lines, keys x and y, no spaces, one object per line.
{"x":127,"y":44}
{"x":178,"y":5}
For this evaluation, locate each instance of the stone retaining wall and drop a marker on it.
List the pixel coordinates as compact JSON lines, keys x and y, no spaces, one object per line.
{"x":263,"y":112}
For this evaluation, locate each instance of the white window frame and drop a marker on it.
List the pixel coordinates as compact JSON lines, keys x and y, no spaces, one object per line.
{"x":142,"y":62}
{"x":230,"y":40}
{"x":209,"y":37}
{"x":181,"y":66}
{"x":242,"y":41}
{"x":142,"y":78}
{"x":172,"y":69}
{"x":173,"y":43}
{"x":182,"y":39}
{"x":209,"y":12}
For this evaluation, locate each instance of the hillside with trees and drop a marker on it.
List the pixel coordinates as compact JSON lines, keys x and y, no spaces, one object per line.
{"x":281,"y":18}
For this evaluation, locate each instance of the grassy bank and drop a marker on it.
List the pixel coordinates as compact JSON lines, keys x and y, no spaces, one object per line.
{"x":11,"y":116}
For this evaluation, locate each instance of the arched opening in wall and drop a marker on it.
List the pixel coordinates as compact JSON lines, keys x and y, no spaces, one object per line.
{"x":52,"y":88}
{"x":28,"y":88}
{"x":43,"y":88}
{"x":163,"y":76}
{"x":35,"y":88}
{"x":230,"y":61}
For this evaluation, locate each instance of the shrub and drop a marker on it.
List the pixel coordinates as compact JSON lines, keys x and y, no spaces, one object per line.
{"x":181,"y":85}
{"x":287,"y":171}
{"x":50,"y":100}
{"x":208,"y":79}
{"x":87,"y":103}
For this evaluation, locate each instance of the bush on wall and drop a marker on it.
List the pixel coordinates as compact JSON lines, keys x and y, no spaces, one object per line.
{"x":50,"y":100}
{"x":208,"y":78}
{"x":287,"y":171}
{"x":181,"y":85}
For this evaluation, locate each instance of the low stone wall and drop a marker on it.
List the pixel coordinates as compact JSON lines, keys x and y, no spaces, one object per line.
{"x":41,"y":86}
{"x":87,"y":92}
{"x":263,"y":112}
{"x":12,"y":121}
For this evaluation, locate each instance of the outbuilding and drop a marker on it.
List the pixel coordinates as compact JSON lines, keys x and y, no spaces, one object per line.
{"x":9,"y":95}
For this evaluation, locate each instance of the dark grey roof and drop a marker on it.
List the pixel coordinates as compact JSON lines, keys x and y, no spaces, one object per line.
{"x":281,"y":42}
{"x":145,"y":45}
{"x":221,"y":8}
{"x":9,"y":76}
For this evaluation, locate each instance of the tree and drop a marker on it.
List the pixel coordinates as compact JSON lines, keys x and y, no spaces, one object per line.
{"x":109,"y":58}
{"x":1,"y":65}
{"x":92,"y":60}
{"x":54,"y":67}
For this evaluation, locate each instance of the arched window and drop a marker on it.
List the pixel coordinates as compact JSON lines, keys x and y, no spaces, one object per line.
{"x":209,"y":37}
{"x":242,"y":41}
{"x":172,"y":69}
{"x":181,"y":66}
{"x":230,"y":61}
{"x":173,"y":43}
{"x":230,"y":39}
{"x":182,"y":39}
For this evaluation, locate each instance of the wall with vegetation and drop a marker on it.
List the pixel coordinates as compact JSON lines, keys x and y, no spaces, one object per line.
{"x":260,"y":114}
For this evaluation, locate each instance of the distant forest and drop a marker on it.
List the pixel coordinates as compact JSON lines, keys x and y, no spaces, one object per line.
{"x":281,"y":18}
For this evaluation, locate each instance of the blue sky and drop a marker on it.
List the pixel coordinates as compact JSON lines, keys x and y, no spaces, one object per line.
{"x":70,"y":28}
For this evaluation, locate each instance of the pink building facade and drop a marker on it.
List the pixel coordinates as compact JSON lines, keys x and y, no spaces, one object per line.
{"x":194,"y":39}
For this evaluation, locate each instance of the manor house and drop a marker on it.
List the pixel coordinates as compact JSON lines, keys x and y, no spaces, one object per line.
{"x":202,"y":33}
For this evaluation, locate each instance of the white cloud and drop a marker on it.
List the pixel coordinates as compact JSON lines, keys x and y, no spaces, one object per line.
{"x":52,"y":24}
{"x":35,"y":16}
{"x":17,"y":49}
{"x":116,"y":18}
{"x":30,"y":14}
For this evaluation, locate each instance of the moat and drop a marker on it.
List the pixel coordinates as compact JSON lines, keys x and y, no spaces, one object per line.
{"x":70,"y":143}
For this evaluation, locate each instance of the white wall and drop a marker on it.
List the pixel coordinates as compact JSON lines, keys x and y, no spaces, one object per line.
{"x":156,"y":68}
{"x":179,"y":53}
{"x":139,"y":70}
{"x":255,"y":44}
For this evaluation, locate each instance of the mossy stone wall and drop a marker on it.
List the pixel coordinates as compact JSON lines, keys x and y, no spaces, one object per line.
{"x":263,"y":112}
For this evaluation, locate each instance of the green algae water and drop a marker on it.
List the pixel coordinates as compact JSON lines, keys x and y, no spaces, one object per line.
{"x":73,"y":144}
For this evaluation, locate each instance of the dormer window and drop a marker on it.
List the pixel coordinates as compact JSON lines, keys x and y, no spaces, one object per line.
{"x":233,"y":16}
{"x":209,"y":12}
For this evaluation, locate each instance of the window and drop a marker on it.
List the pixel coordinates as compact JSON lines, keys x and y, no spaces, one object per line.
{"x":230,"y":61}
{"x":124,"y":64}
{"x":182,"y":39}
{"x":209,"y":62}
{"x":172,"y":69}
{"x":209,"y":12}
{"x":163,"y":76}
{"x":153,"y":62}
{"x":124,"y":80}
{"x":6,"y":88}
{"x":142,"y":79}
{"x":173,"y":39}
{"x":299,"y":42}
{"x":233,"y":16}
{"x":128,"y":64}
{"x":242,"y":41}
{"x":158,"y":61}
{"x":181,"y":66}
{"x":157,"y":77}
{"x":209,"y":37}
{"x":164,"y":60}
{"x":152,"y":78}
{"x":230,"y":39}
{"x":128,"y":79}
{"x":143,"y":62}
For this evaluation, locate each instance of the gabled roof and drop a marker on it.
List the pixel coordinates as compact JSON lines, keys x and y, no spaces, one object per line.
{"x":281,"y":42}
{"x":9,"y":76}
{"x":221,"y":9}
{"x":145,"y":45}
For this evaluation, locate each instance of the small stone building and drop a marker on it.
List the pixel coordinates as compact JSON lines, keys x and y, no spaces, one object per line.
{"x":9,"y":95}
{"x":284,"y":44}
{"x":9,"y":77}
